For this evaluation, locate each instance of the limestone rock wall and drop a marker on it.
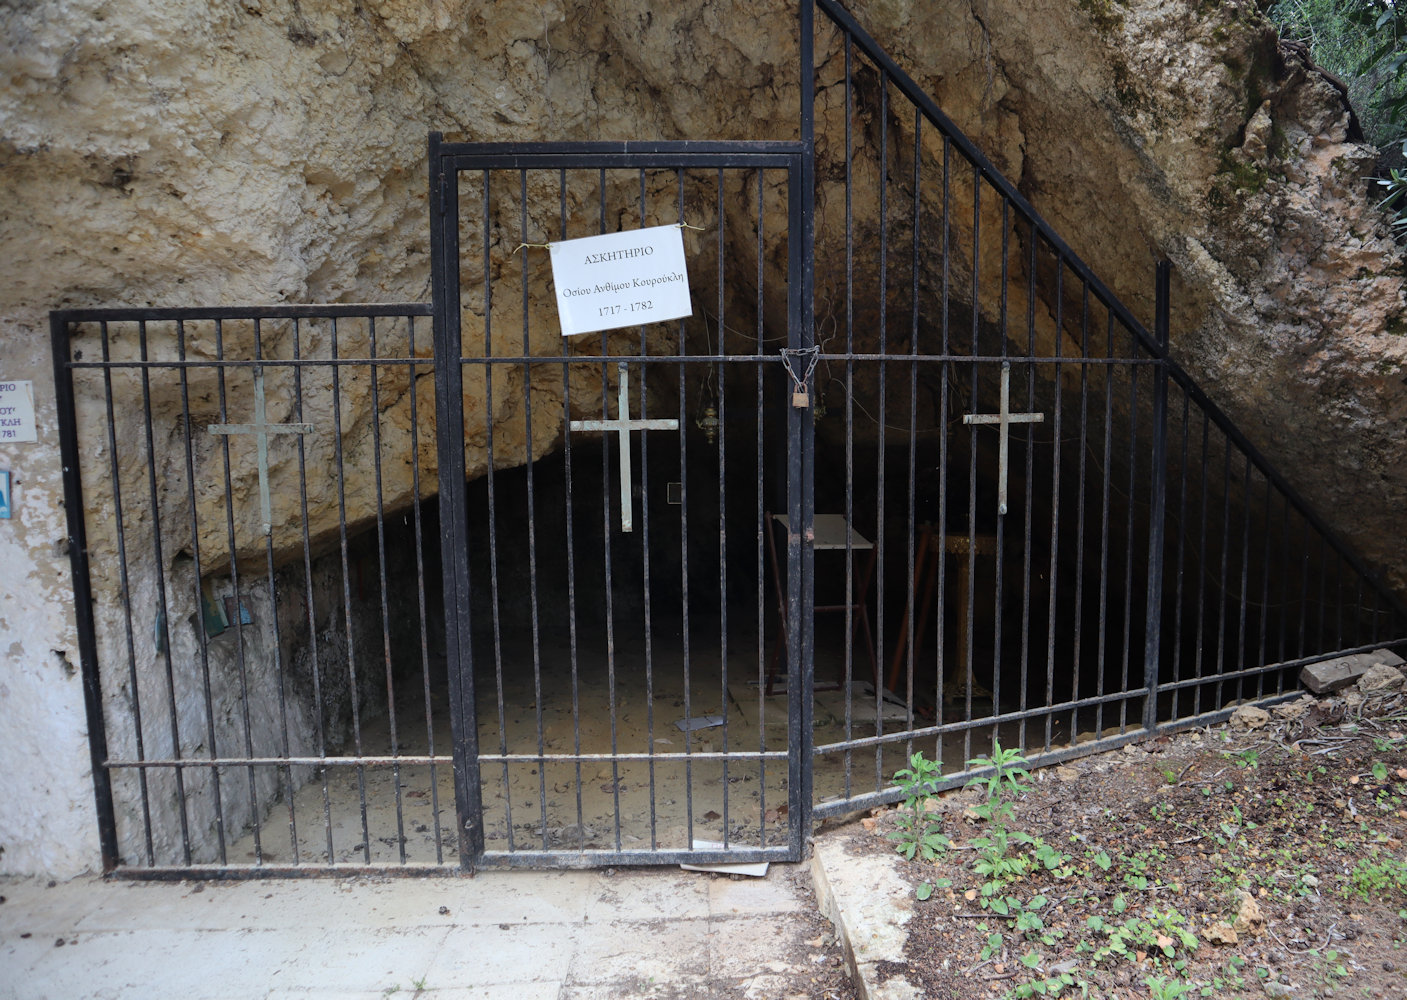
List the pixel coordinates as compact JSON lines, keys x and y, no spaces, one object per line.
{"x":262,"y":151}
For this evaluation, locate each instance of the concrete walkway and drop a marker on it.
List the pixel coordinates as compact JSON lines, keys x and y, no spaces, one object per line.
{"x":651,"y":933}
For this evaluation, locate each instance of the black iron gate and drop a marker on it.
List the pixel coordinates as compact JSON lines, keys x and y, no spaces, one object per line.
{"x":610,"y":504}
{"x":909,"y":477}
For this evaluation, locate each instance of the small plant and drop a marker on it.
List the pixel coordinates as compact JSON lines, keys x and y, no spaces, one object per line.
{"x":1163,"y":988}
{"x":1395,"y":184}
{"x":918,"y":833}
{"x":995,"y":861}
{"x":1377,"y":874}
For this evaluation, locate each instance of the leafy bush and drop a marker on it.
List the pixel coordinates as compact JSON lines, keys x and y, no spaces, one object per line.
{"x":1364,"y":44}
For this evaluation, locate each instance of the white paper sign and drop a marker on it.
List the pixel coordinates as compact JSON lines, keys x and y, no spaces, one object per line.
{"x":620,"y":279}
{"x":16,"y":412}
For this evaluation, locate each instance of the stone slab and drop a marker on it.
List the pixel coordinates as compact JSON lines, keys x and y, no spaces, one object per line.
{"x":520,"y":935}
{"x":1328,"y":676}
{"x":870,"y":905}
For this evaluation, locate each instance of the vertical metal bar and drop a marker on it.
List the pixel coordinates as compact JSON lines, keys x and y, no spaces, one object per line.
{"x":607,"y":538}
{"x":310,"y":603}
{"x":1052,"y":604}
{"x":1264,"y":588}
{"x":1078,"y":619}
{"x":491,"y":481}
{"x":1183,"y":540}
{"x":348,"y":613}
{"x":1125,"y":667}
{"x":529,"y":468}
{"x":163,"y":632}
{"x":684,"y":564}
{"x":1225,"y":566}
{"x":944,"y":403}
{"x":722,"y":372}
{"x":969,"y":591}
{"x":1157,"y":497}
{"x":881,"y":442}
{"x":279,"y":679}
{"x":645,"y":565}
{"x":571,"y":568}
{"x":1305,"y":564}
{"x":1202,"y":574}
{"x":801,"y":314}
{"x":123,"y":577}
{"x":413,"y":384}
{"x":1245,"y":574}
{"x":1030,"y":480}
{"x":202,"y":639}
{"x":64,"y":400}
{"x":1003,"y":446}
{"x":1108,"y":474}
{"x":233,"y":549}
{"x":449,"y":446}
{"x":914,"y":245}
{"x":847,"y":675}
{"x":374,"y":372}
{"x":761,"y":520}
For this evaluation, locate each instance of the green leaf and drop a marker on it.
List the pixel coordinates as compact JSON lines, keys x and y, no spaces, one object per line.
{"x":924,"y":890}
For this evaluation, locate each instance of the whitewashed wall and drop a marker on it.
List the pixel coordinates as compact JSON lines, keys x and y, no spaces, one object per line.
{"x":47,"y":818}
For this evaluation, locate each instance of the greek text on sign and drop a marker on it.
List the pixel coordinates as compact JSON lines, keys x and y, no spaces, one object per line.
{"x":16,"y":412}
{"x":620,"y":279}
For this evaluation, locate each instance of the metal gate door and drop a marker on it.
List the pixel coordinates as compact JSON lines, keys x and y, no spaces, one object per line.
{"x":616,"y":508}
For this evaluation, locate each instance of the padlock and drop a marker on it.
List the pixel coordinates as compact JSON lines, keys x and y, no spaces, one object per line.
{"x":801,"y":399}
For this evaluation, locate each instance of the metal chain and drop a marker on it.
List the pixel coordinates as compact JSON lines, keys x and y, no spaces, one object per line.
{"x":813,"y":352}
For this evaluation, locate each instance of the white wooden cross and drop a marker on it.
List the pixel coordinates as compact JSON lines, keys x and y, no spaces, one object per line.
{"x":623,"y":425}
{"x":1004,"y":419}
{"x":261,"y":429}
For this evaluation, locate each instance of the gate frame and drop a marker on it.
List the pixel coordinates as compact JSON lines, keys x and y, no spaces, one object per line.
{"x":446,"y":161}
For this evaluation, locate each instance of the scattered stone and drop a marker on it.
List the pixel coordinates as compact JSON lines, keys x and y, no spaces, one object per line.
{"x":1353,"y":698}
{"x":1250,"y":717}
{"x":1380,"y":679}
{"x":1249,"y":920}
{"x":1274,"y":989}
{"x":1336,"y":674}
{"x":1292,"y":710}
{"x":1221,"y":933}
{"x":1065,"y":773}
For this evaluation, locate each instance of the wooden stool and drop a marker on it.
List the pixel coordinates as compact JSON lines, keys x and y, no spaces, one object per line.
{"x":926,"y":577}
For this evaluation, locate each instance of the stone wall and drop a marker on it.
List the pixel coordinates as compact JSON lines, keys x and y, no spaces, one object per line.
{"x":192,"y":153}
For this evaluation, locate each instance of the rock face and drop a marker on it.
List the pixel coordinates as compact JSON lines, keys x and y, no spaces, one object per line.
{"x":263,"y":152}
{"x":197,"y":153}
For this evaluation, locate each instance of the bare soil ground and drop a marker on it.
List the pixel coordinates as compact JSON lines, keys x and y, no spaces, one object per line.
{"x":1225,"y":862}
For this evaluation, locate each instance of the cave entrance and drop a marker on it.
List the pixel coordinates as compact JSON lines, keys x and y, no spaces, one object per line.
{"x":907,"y":478}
